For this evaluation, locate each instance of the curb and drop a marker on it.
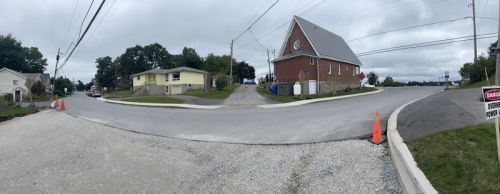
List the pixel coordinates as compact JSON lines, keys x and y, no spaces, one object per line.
{"x":302,"y":102}
{"x":191,"y":106}
{"x":411,"y":178}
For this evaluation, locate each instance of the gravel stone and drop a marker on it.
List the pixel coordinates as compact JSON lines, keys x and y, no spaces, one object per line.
{"x":51,"y":152}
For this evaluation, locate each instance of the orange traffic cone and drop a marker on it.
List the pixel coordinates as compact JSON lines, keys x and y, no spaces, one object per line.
{"x":57,"y":102}
{"x":62,"y":105}
{"x":377,"y":131}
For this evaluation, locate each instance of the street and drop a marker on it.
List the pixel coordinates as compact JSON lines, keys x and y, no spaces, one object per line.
{"x":349,"y":118}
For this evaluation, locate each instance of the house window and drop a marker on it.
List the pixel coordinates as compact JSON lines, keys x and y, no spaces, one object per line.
{"x":311,"y":61}
{"x":166,"y":77}
{"x":166,"y":89}
{"x":353,"y":71}
{"x":154,"y":77}
{"x":15,"y":82}
{"x":329,"y":69}
{"x":138,"y":77}
{"x":339,"y":69}
{"x":176,"y":76}
{"x":357,"y":70}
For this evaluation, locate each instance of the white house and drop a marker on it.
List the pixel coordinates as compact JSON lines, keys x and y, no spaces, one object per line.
{"x":13,"y":82}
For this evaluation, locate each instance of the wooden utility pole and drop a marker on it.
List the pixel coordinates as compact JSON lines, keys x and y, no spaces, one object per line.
{"x":231,"y":64}
{"x":497,"y":82}
{"x":474,"y":25}
{"x":269,"y":62}
{"x":55,"y":71}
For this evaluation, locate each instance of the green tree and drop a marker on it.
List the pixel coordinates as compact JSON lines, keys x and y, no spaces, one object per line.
{"x":80,"y":86}
{"x":221,"y":82}
{"x":106,"y":72}
{"x":131,"y":62}
{"x":157,"y":56}
{"x":34,"y":60}
{"x":388,"y":81}
{"x":190,"y":58}
{"x":243,"y":71}
{"x":214,"y":64}
{"x":372,"y":78}
{"x":18,"y":58}
{"x":62,"y":83}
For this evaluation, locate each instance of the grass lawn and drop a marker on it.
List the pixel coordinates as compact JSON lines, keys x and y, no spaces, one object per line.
{"x":212,"y":92}
{"x":118,"y":94}
{"x":10,"y":112}
{"x":461,"y":160}
{"x":479,"y":84}
{"x":266,"y":93}
{"x":154,"y":99}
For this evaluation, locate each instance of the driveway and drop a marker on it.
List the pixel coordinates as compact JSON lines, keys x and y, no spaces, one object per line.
{"x":349,"y":118}
{"x":442,"y":111}
{"x":51,"y":152}
{"x":246,"y":96}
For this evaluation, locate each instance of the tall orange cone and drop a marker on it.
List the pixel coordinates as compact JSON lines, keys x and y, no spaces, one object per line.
{"x":62,"y":105}
{"x":57,"y":102}
{"x":377,"y":131}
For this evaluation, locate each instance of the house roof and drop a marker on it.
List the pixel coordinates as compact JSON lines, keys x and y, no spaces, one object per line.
{"x":46,"y":79}
{"x":33,"y":76}
{"x":177,"y":69}
{"x":14,"y":72}
{"x":325,"y":43}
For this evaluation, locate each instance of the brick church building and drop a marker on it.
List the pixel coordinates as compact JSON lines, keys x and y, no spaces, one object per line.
{"x":324,"y":57}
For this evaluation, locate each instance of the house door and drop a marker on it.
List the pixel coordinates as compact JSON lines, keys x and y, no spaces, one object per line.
{"x":17,"y":96}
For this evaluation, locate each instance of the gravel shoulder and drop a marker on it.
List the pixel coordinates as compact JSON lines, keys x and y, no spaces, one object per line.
{"x":51,"y":152}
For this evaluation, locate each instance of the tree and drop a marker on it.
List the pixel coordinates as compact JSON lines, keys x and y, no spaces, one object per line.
{"x":214,"y":64}
{"x":38,"y":88}
{"x":242,"y":71}
{"x":80,"y":86}
{"x":190,"y":58}
{"x":34,"y":60}
{"x":221,"y":82}
{"x":475,"y":71}
{"x":18,"y":58}
{"x":372,"y":78}
{"x":388,"y":81}
{"x":106,"y":72}
{"x":131,"y":62}
{"x":157,"y":56}
{"x":89,"y":85}
{"x":62,"y":83}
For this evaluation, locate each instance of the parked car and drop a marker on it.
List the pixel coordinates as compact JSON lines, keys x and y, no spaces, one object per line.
{"x":96,"y":94}
{"x":249,"y":82}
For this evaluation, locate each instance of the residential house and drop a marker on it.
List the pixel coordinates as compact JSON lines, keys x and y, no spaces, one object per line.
{"x":325,"y":59}
{"x":167,"y":81}
{"x":13,"y":82}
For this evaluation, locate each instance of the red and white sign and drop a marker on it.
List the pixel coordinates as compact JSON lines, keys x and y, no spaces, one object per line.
{"x":361,"y":76}
{"x":491,"y":96}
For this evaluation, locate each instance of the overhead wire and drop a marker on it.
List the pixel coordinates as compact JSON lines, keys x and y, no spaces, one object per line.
{"x":425,"y":44}
{"x":262,"y":15}
{"x":83,"y":35}
{"x":410,"y":27}
{"x":278,"y":27}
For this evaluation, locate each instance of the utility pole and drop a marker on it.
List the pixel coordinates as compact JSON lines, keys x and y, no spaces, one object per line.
{"x":497,"y":82}
{"x":269,"y":62}
{"x":475,"y":38}
{"x":231,"y":64}
{"x":474,"y":24}
{"x":55,"y":71}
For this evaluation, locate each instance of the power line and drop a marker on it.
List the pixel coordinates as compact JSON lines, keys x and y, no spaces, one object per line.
{"x":262,"y":15}
{"x":425,"y":44}
{"x":251,"y":32}
{"x":71,"y":20}
{"x":86,"y":14}
{"x":83,"y":35}
{"x":407,"y":28}
{"x":280,"y":26}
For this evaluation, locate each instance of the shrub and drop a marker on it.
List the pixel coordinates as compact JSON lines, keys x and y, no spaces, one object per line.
{"x":348,"y":89}
{"x":221,"y":82}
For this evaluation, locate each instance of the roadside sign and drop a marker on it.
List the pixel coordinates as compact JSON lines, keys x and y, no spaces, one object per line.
{"x":361,"y":76}
{"x":491,"y":95}
{"x":493,"y":52}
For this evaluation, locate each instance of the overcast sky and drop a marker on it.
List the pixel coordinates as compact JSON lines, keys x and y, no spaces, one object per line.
{"x":209,"y":25}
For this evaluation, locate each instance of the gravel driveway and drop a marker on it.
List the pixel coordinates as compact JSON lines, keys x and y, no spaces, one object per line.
{"x":51,"y":152}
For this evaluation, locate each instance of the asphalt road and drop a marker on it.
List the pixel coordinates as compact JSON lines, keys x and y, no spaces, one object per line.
{"x":246,"y":96}
{"x":319,"y":122}
{"x":443,"y":111}
{"x":51,"y":152}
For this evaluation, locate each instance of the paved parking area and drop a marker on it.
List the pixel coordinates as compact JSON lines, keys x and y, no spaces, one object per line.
{"x":52,"y":152}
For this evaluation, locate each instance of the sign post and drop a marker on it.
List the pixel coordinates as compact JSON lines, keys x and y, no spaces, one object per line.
{"x":491,"y":95}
